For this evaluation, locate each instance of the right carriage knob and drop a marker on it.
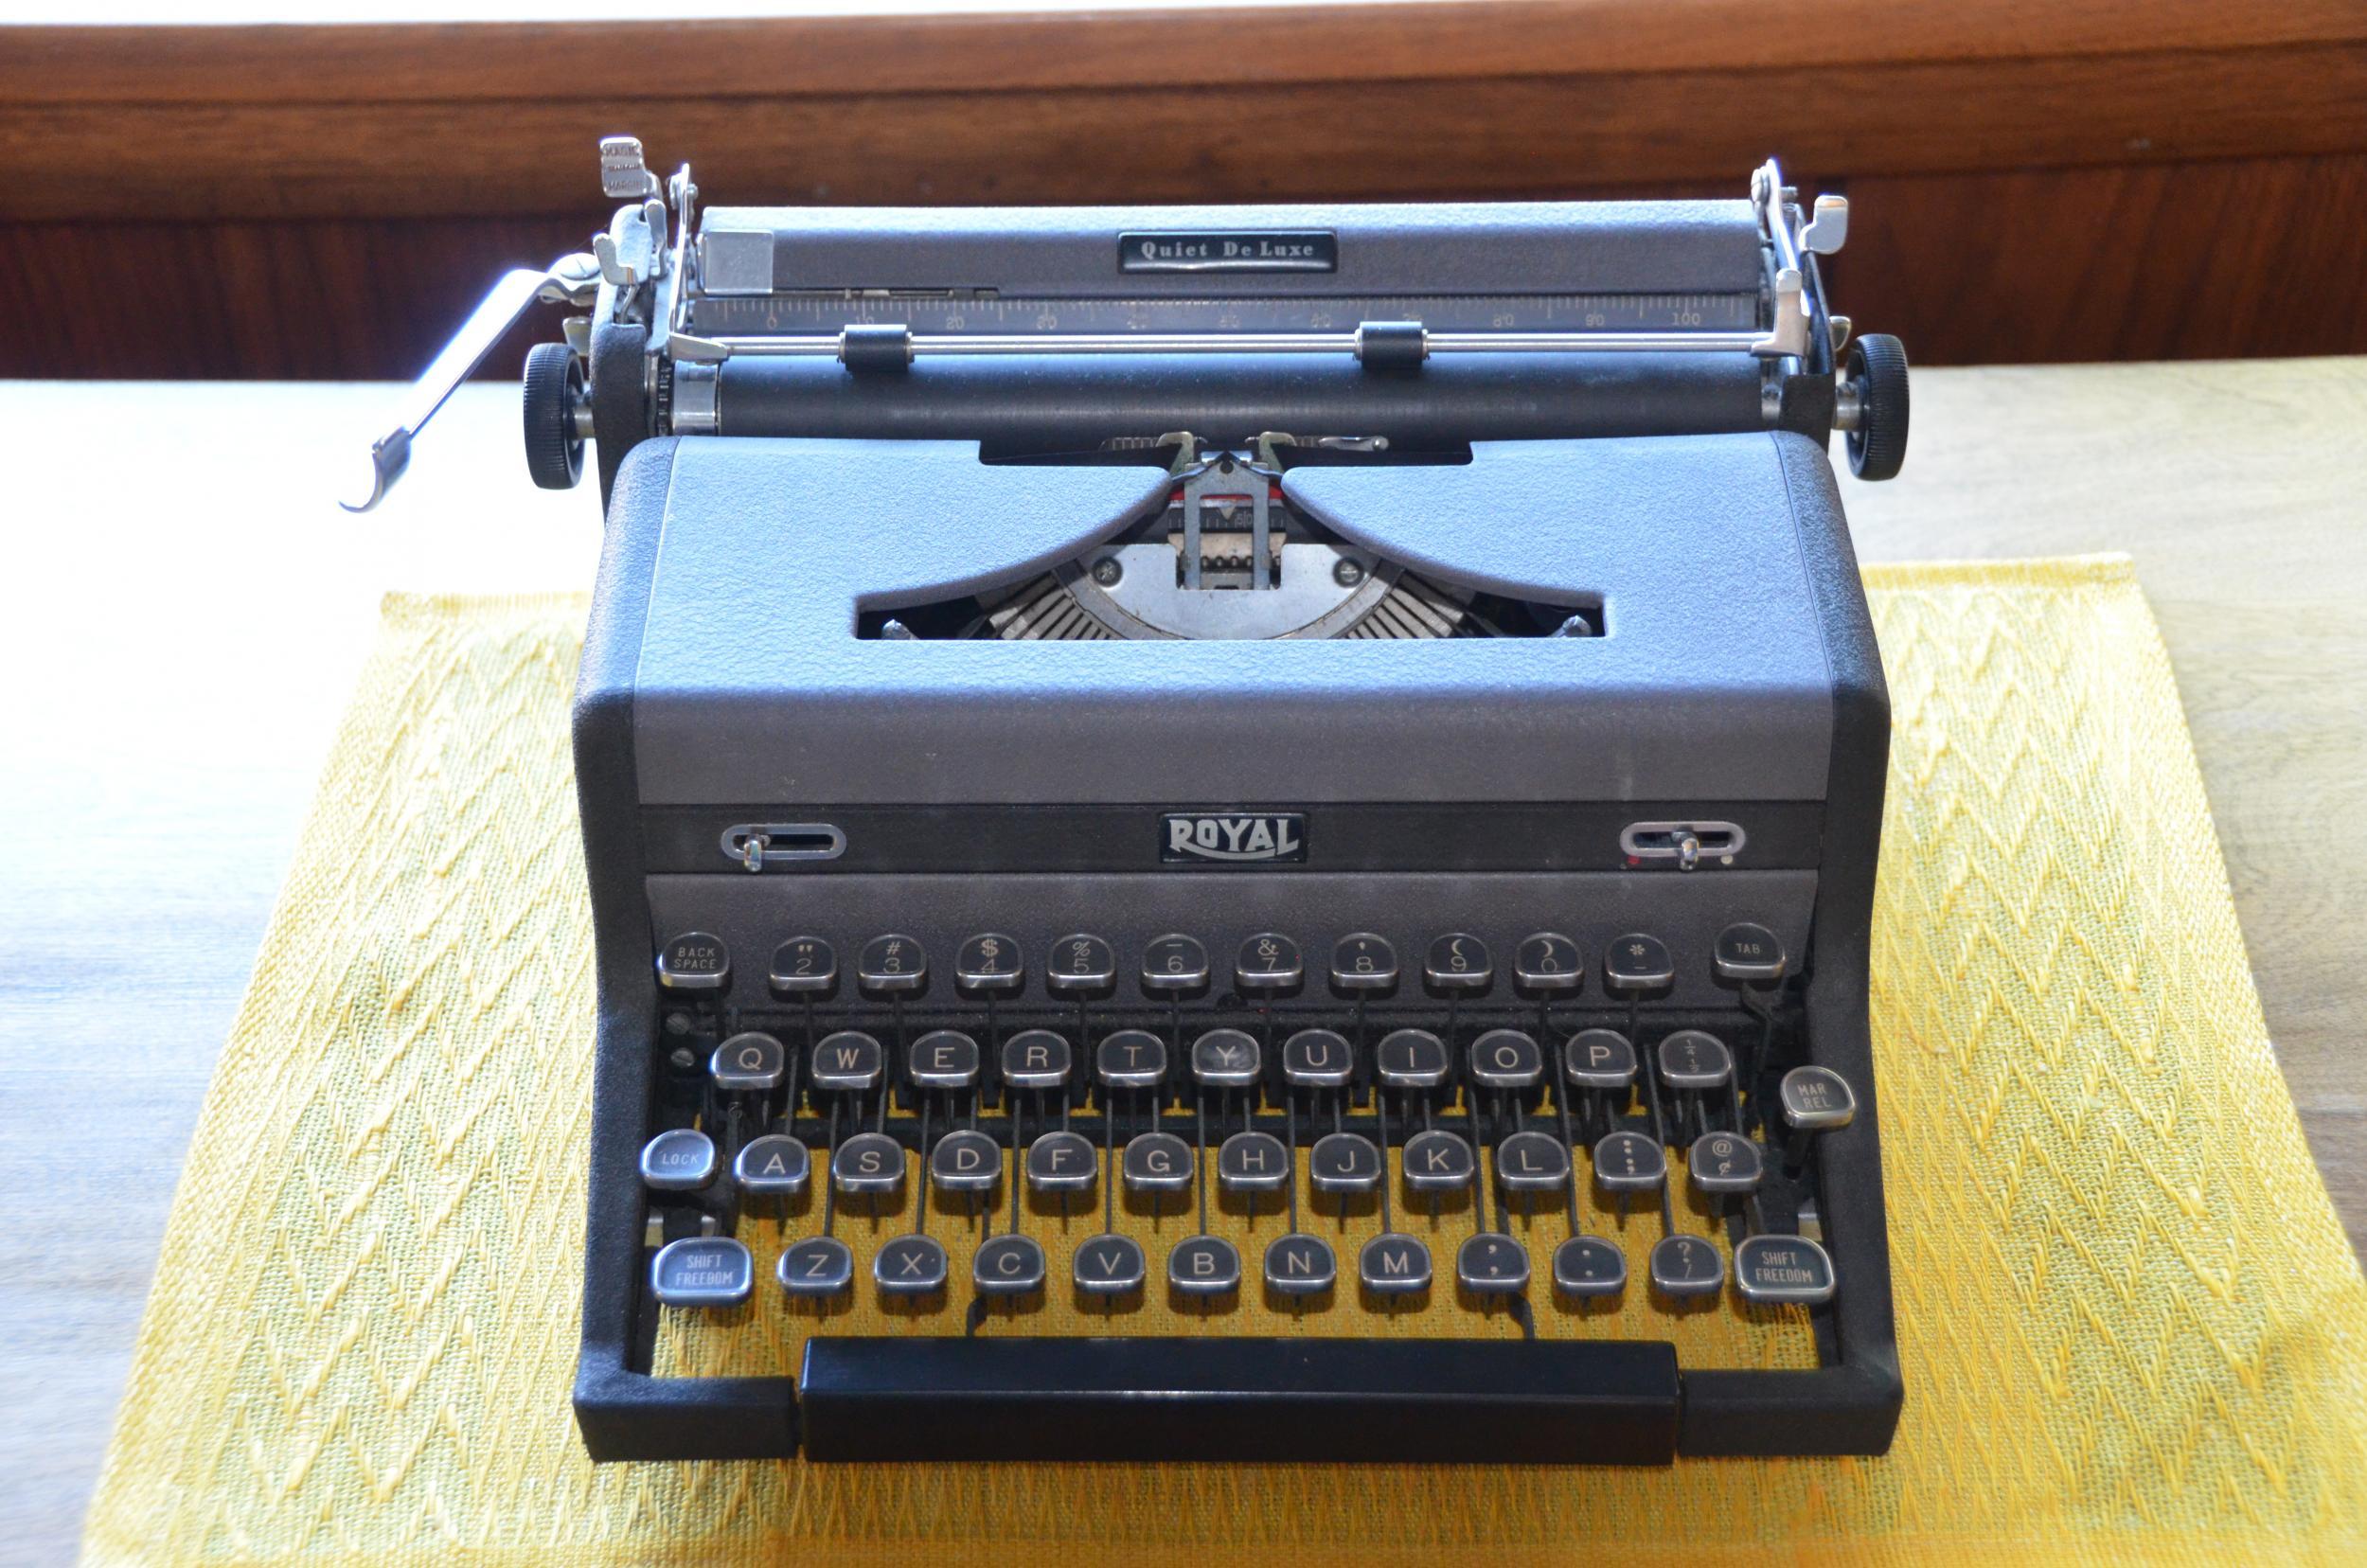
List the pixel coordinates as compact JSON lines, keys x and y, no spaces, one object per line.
{"x":1877,"y":371}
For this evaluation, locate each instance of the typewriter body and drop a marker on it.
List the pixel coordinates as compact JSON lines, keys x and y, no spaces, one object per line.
{"x":1224,"y":833}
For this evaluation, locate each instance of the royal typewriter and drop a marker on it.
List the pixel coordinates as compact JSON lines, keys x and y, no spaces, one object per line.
{"x":1223,"y":832}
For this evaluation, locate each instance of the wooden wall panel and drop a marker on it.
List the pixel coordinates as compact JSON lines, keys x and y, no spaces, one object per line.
{"x":2035,"y":179}
{"x":320,"y":298}
{"x":910,"y":46}
{"x":1369,"y":140}
{"x":2209,"y":260}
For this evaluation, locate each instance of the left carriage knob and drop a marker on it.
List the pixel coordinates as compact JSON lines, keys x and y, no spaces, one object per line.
{"x":554,"y":397}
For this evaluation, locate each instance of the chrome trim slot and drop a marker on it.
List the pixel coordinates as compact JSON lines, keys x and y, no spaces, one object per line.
{"x":756,"y":844}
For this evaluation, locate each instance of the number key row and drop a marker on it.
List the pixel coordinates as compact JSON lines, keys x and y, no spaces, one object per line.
{"x":1545,"y":964}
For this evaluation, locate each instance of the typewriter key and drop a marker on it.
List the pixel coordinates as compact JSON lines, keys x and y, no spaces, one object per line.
{"x":1459,"y":964}
{"x":1269,"y":965}
{"x":1438,"y":1161}
{"x":773,"y":1165}
{"x":1532,"y":1162}
{"x":1037,"y":1059}
{"x":1492,"y":1264}
{"x":1131,"y":1059}
{"x":804,"y":966}
{"x":1393,"y":1264}
{"x":1300,"y":1265}
{"x":1344,"y":1163}
{"x":695,"y":964}
{"x":1081,"y":966}
{"x":680,"y":1158}
{"x":1411,"y":1058}
{"x":989,"y":966}
{"x":1814,"y":1100}
{"x":849,"y":1062}
{"x":1317,"y":1058}
{"x":871,"y":1164}
{"x":748,"y":1063}
{"x":1686,"y":1267}
{"x":966,"y":1160}
{"x":1060,"y":1162}
{"x":943,"y":1059}
{"x":1252,"y":1163}
{"x":1506,"y":1059}
{"x":1174,"y":966}
{"x":1693,"y":1061}
{"x":1007,"y":1265}
{"x":701,"y":1271}
{"x":1600,"y":1060}
{"x":1817,"y":1100}
{"x":1108,"y":1266}
{"x":1547,"y":965}
{"x":1723,"y":1164}
{"x":1225,"y":1059}
{"x":910,"y":1265}
{"x":1629,"y":1161}
{"x":1748,"y":954}
{"x":1363,"y":964}
{"x":1635,"y":963}
{"x":1775,"y":1271}
{"x":893,"y":966}
{"x":1586,"y":1266}
{"x":815,"y":1267}
{"x":1204,"y":1266}
{"x":1157,"y":1163}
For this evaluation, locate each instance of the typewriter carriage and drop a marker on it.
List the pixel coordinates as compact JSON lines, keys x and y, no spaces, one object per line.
{"x":1550,"y":320}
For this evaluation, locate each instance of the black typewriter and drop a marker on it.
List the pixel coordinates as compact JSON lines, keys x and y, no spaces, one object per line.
{"x":1232,"y":832}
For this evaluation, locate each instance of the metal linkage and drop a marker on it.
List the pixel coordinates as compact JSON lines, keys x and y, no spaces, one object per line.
{"x":702,"y":351}
{"x":571,"y":280}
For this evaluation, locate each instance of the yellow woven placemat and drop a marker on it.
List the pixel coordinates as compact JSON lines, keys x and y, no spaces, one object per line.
{"x":2129,"y":1322}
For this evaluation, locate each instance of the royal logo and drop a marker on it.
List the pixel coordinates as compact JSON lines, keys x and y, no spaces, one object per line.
{"x":1232,"y":837}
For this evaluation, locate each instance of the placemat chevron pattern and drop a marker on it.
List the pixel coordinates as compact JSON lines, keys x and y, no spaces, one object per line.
{"x":2130,"y":1324}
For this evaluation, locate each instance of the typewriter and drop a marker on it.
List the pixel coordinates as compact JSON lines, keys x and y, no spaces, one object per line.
{"x":1222,"y":833}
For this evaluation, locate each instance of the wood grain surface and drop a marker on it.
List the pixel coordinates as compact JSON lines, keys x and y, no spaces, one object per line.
{"x":186,"y":612}
{"x":919,"y":45}
{"x":1368,"y":139}
{"x":2035,"y":181}
{"x":2223,"y":260}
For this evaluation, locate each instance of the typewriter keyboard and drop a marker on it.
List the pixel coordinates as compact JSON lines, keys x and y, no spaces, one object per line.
{"x":1307,"y":1136}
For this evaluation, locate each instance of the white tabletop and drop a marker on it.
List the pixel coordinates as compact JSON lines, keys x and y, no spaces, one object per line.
{"x":186,"y":609}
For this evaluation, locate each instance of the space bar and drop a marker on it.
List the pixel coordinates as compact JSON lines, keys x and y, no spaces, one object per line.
{"x":1533,"y":1401}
